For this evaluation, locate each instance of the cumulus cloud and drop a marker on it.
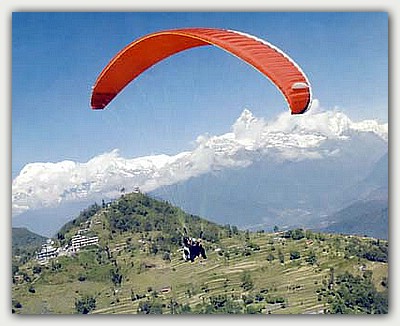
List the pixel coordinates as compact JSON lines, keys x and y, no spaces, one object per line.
{"x":287,"y":137}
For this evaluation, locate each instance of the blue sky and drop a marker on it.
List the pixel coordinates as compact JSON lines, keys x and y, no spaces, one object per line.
{"x":56,"y":58}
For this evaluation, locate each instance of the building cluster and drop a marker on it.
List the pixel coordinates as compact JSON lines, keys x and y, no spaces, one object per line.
{"x":78,"y":241}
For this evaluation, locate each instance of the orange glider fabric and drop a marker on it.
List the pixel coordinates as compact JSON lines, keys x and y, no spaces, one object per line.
{"x":148,"y":50}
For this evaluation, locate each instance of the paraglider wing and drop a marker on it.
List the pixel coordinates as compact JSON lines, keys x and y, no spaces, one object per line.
{"x":148,"y":50}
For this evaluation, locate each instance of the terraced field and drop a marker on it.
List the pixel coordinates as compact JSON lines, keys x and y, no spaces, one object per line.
{"x":194,"y":283}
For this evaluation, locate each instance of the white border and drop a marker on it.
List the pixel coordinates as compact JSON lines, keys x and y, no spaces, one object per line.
{"x":6,"y":9}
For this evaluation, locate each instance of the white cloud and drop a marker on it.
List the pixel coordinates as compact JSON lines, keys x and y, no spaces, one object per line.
{"x":288,"y":137}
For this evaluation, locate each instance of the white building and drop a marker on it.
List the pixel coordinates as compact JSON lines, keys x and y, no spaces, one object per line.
{"x":47,"y":251}
{"x":78,"y":241}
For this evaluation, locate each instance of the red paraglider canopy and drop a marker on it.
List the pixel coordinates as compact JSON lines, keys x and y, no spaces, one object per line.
{"x":148,"y":50}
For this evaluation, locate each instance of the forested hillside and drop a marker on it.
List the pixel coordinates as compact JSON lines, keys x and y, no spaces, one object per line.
{"x":25,"y":241}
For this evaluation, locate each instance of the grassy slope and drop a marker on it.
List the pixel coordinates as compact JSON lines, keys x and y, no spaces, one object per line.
{"x":191,"y":283}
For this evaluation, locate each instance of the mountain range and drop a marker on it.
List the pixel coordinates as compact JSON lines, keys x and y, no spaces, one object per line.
{"x":292,"y":171}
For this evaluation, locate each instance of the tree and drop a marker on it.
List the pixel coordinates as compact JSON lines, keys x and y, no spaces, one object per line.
{"x":253,"y":309}
{"x":15,"y":269}
{"x":149,"y":307}
{"x":55,"y":266}
{"x":235,"y":230}
{"x":116,"y":277}
{"x":331,"y":277}
{"x":221,"y":304}
{"x":16,"y":304}
{"x":183,"y":309}
{"x":85,"y":305}
{"x":294,"y":255}
{"x":270,"y":257}
{"x":228,"y":230}
{"x":309,"y":235}
{"x":298,"y":234}
{"x":247,"y":282}
{"x":154,"y":249}
{"x":247,"y":235}
{"x":167,"y":256}
{"x":312,"y":258}
{"x":37,"y":269}
{"x":281,"y":257}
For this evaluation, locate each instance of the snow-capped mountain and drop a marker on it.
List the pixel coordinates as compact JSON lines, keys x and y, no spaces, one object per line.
{"x":317,"y":137}
{"x":48,"y":184}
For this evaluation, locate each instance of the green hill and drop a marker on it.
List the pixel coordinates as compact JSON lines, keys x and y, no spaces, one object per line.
{"x":24,"y":242}
{"x":137,"y":267}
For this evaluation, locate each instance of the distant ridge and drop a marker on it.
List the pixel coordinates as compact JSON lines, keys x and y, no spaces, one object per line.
{"x":368,"y":218}
{"x":25,"y":240}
